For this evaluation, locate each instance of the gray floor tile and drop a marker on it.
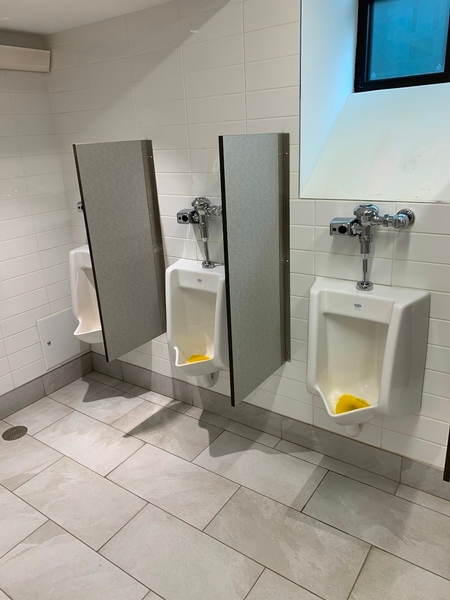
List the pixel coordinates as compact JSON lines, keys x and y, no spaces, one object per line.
{"x":102,"y":378}
{"x":271,"y":586}
{"x":3,"y":596}
{"x":321,"y":559}
{"x":129,"y":388}
{"x":166,"y":401}
{"x":53,"y":565}
{"x":17,"y":520}
{"x":349,"y":451}
{"x":61,"y":376}
{"x":424,"y":499}
{"x":22,"y":459}
{"x":233,"y":427}
{"x":22,"y":396}
{"x":247,"y":414}
{"x":154,"y":397}
{"x":337,"y":466}
{"x":85,"y":504}
{"x":113,"y":369}
{"x":96,"y":400}
{"x":425,"y":478}
{"x":179,"y":562}
{"x":175,"y":485}
{"x":169,"y":430}
{"x":39,"y":415}
{"x":265,"y":470}
{"x":93,"y":444}
{"x":386,"y":577}
{"x":407,"y":530}
{"x":149,"y":596}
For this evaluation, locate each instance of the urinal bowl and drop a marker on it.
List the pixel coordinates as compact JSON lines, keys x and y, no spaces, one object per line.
{"x":371,"y":345}
{"x":84,"y":297}
{"x":196,"y":318}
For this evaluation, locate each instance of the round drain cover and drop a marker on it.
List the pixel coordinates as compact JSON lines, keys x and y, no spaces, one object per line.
{"x":14,"y":433}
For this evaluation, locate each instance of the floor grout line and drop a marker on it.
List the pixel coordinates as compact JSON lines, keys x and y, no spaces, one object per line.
{"x":279,"y":437}
{"x":79,"y":540}
{"x":263,"y":495}
{"x":2,"y":557}
{"x":372,"y":545}
{"x":360,"y":571}
{"x":202,"y":531}
{"x":217,"y":474}
{"x":221,"y":509}
{"x":124,"y":525}
{"x":145,"y":442}
{"x":422,"y":505}
{"x":240,"y":486}
{"x":45,"y":427}
{"x":194,"y":406}
{"x":170,"y":514}
{"x":258,"y":578}
{"x":337,"y":472}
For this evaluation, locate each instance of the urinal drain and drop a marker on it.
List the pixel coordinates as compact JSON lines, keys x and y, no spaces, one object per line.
{"x":14,"y":433}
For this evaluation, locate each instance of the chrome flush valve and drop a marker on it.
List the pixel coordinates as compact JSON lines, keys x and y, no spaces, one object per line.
{"x":201,"y":210}
{"x":366,"y":217}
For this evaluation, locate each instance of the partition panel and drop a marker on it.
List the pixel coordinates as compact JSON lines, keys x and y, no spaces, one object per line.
{"x":255,"y":201}
{"x":120,"y":205}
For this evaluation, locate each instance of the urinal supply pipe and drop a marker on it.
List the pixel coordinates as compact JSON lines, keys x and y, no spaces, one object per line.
{"x":366,"y":217}
{"x":203,"y":208}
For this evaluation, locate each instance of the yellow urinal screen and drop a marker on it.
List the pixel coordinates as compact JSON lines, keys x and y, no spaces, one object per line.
{"x":348,"y":402}
{"x":197,"y":358}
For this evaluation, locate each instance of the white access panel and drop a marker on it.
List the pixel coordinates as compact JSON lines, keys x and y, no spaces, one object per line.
{"x":57,"y":340}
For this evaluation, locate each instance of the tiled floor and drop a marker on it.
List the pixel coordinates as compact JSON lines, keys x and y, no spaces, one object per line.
{"x":118,"y":493}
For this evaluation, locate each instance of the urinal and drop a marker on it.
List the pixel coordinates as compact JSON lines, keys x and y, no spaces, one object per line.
{"x":196,"y":320}
{"x":84,"y":297}
{"x":371,"y":345}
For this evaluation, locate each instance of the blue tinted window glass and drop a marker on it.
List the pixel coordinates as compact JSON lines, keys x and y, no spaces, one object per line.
{"x":408,"y":37}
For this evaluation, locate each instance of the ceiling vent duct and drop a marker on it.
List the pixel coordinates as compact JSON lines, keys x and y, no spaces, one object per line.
{"x":16,"y":58}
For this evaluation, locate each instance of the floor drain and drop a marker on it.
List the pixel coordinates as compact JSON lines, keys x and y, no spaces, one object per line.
{"x":14,"y":433}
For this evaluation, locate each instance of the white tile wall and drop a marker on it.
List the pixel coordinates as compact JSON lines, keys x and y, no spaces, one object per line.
{"x":181,"y":74}
{"x":33,"y":218}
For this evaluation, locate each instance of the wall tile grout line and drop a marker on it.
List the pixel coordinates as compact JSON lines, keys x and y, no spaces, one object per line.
{"x":59,"y":95}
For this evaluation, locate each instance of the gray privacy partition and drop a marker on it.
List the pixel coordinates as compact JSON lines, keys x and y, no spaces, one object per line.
{"x":120,"y":205}
{"x":255,"y":202}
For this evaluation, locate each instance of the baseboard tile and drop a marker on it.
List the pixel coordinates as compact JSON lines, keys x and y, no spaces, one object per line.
{"x":36,"y":389}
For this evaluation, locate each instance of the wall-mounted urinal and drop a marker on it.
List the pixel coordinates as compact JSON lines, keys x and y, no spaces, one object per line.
{"x":84,"y":297}
{"x":196,"y":320}
{"x":367,"y":345}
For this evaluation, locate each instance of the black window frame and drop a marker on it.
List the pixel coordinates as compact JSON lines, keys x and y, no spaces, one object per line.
{"x":362,"y":81}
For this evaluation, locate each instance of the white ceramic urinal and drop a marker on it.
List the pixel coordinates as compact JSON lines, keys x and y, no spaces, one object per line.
{"x":371,"y":345}
{"x":84,"y":297}
{"x":196,"y":319}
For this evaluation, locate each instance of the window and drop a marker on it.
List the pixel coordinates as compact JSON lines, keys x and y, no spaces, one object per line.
{"x":402,"y":43}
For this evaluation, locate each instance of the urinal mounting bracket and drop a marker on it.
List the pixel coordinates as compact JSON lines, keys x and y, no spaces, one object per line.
{"x":365,"y":217}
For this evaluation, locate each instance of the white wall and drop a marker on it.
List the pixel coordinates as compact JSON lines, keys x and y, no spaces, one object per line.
{"x":35,"y":231}
{"x":388,"y":145}
{"x":328,"y":42}
{"x":146,"y":75}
